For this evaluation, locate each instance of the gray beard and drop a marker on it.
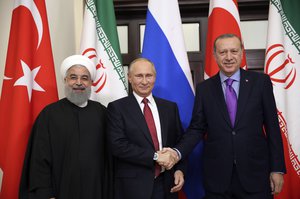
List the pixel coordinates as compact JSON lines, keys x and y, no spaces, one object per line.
{"x":77,"y":98}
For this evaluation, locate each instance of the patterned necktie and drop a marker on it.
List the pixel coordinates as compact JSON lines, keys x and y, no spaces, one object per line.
{"x":231,"y":100}
{"x":151,"y":126}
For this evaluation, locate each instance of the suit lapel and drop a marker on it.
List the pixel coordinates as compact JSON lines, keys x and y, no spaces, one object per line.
{"x":246,"y":83}
{"x":138,"y":116}
{"x":163,"y":118}
{"x":219,"y":96}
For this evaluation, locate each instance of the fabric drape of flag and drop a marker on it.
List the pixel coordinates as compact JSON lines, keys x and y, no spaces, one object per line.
{"x":281,"y":64}
{"x":29,"y":84}
{"x":164,"y":46}
{"x":223,"y":18}
{"x":100,"y":43}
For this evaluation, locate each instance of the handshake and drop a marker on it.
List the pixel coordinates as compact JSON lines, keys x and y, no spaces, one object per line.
{"x":167,"y":158}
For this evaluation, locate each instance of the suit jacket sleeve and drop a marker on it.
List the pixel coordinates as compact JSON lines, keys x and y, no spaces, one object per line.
{"x":120,"y":144}
{"x":196,"y":129}
{"x":182,"y":164}
{"x":272,"y":129}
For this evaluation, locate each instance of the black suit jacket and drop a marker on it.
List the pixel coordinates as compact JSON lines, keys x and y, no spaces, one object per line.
{"x":254,"y":152}
{"x":132,"y":147}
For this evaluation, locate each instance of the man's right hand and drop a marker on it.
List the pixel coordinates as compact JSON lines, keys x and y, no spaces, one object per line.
{"x":167,"y":158}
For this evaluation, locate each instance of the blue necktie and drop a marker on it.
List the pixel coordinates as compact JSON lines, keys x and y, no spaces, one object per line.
{"x":231,"y":100}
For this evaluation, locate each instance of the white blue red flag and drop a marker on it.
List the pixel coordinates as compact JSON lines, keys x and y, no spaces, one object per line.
{"x":164,"y":46}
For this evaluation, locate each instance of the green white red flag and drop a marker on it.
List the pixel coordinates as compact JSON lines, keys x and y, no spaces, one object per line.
{"x":100,"y":43}
{"x":29,"y":84}
{"x":223,"y":18}
{"x":282,"y":64}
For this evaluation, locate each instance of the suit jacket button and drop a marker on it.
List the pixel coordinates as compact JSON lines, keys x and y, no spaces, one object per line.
{"x":233,"y":133}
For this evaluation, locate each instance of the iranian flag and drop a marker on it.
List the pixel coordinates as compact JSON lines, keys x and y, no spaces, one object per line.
{"x":282,"y":64}
{"x":100,"y":43}
{"x":223,"y":18}
{"x":28,"y":86}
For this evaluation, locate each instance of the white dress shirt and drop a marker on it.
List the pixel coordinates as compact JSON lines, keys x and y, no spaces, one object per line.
{"x":154,"y":110}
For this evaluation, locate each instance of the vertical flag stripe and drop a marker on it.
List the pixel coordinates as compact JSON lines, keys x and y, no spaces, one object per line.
{"x":172,"y":31}
{"x":164,"y":63}
{"x":100,"y":43}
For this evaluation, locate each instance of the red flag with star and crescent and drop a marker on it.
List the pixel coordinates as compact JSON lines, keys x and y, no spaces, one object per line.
{"x":29,"y":84}
{"x":223,"y":18}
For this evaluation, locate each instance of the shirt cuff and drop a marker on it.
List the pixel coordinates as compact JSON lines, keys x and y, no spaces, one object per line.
{"x":280,"y":172}
{"x":178,"y":153}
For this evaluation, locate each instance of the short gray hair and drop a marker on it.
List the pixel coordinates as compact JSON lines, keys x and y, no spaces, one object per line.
{"x":140,"y":59}
{"x":225,"y":36}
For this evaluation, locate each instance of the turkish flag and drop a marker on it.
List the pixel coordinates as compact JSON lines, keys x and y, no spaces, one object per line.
{"x":223,"y":18}
{"x":29,"y":84}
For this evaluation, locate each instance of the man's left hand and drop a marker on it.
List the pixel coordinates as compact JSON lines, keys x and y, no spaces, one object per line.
{"x":178,"y":181}
{"x":276,"y":182}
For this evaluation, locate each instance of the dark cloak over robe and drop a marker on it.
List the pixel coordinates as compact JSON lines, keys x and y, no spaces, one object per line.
{"x":66,"y":155}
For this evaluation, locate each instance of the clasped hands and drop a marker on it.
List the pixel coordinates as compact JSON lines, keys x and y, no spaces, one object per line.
{"x":167,"y":158}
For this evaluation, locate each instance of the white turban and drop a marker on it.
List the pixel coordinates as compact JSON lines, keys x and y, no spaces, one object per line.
{"x":78,"y":60}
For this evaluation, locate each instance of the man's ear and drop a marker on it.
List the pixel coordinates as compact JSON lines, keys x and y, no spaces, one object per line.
{"x":129,"y":78}
{"x":214,"y":54}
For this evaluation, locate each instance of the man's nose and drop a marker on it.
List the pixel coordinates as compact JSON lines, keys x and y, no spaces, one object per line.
{"x":228,"y":56}
{"x":78,"y":81}
{"x":144,"y":80}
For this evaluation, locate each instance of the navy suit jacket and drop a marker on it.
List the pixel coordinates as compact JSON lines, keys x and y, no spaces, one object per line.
{"x":132,"y":147}
{"x":254,"y":144}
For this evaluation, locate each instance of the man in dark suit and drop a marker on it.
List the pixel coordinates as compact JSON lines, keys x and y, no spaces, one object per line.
{"x":243,"y":153}
{"x":135,"y":143}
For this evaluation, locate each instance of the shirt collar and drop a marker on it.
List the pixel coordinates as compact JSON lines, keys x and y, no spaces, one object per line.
{"x":140,"y":99}
{"x":236,"y":76}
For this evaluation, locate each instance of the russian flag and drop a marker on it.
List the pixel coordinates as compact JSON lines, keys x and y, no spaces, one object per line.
{"x":164,"y":46}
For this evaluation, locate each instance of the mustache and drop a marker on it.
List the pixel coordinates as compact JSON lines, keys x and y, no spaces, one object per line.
{"x":81,"y":88}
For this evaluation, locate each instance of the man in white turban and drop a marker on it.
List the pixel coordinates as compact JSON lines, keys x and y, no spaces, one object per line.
{"x":78,"y":73}
{"x":66,"y":155}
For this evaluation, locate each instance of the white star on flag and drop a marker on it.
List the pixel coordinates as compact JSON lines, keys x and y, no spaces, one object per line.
{"x":28,"y":79}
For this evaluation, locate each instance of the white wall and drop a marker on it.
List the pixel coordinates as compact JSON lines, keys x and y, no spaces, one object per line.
{"x":65,"y":22}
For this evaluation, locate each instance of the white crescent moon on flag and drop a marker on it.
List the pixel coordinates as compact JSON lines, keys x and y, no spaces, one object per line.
{"x":226,"y":5}
{"x":30,"y":5}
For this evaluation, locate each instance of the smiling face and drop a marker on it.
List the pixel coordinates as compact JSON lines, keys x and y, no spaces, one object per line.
{"x":228,"y":54}
{"x":78,"y":84}
{"x":142,"y":77}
